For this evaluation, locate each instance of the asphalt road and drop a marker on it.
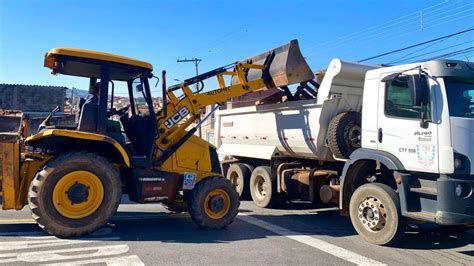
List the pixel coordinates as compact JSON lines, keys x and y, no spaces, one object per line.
{"x":293,"y":235}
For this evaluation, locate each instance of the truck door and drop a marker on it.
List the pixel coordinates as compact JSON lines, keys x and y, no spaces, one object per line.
{"x":400,"y":131}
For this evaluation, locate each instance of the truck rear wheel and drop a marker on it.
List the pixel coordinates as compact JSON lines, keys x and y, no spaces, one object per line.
{"x":263,"y":188}
{"x":375,"y":214}
{"x":239,"y":175}
{"x":74,"y":194}
{"x":344,"y":134}
{"x":213,"y":203}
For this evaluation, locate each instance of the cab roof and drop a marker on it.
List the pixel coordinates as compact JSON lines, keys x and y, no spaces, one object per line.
{"x":81,"y":62}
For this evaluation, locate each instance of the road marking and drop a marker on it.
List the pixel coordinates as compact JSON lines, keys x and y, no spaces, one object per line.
{"x":52,"y":255}
{"x":116,"y":261}
{"x":311,"y":241}
{"x":92,"y":254}
{"x":17,"y":221}
{"x":42,"y":243}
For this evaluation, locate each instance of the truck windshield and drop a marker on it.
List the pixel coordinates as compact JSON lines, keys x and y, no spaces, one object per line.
{"x":460,"y":97}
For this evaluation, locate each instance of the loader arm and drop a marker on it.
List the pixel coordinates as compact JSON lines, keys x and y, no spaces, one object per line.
{"x":281,"y":66}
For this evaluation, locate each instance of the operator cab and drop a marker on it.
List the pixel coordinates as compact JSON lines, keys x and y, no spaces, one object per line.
{"x":137,"y":119}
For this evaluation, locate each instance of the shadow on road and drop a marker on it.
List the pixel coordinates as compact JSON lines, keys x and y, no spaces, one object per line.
{"x":179,"y":228}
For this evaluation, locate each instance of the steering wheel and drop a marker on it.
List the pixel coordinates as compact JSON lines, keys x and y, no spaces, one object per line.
{"x":120,"y":112}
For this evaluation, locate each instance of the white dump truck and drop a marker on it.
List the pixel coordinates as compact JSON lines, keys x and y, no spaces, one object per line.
{"x":381,"y":144}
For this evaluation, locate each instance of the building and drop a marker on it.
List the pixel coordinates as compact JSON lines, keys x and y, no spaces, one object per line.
{"x":31,"y":98}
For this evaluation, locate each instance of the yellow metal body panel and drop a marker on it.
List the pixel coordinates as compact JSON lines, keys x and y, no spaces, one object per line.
{"x":49,"y":57}
{"x":193,"y":156}
{"x":81,"y":135}
{"x":10,"y":167}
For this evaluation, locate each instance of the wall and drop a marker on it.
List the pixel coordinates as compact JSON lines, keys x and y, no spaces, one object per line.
{"x":31,"y":98}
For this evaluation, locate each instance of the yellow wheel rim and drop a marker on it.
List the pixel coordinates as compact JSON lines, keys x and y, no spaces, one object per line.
{"x":217,"y":204}
{"x":78,"y":194}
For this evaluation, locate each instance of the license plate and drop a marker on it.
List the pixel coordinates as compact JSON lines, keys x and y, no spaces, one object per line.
{"x":189,"y":181}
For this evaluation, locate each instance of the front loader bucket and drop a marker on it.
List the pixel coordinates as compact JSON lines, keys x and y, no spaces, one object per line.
{"x":287,"y":67}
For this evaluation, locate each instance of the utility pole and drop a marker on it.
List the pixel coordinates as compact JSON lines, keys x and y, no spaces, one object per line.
{"x":196,"y":62}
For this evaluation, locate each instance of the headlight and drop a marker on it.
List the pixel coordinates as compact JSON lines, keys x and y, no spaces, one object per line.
{"x":463,"y":190}
{"x":458,"y":190}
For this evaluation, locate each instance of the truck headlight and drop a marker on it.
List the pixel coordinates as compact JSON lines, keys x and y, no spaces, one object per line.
{"x":463,"y":190}
{"x":458,"y":190}
{"x":462,"y":164}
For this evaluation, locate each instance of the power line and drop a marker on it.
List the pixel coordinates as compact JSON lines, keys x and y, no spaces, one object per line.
{"x":458,"y":52}
{"x":402,"y":22}
{"x":397,"y":32}
{"x":428,"y":53}
{"x":416,"y":45}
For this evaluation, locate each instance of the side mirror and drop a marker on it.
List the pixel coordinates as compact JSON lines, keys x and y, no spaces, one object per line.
{"x":139,"y":87}
{"x":420,"y":90}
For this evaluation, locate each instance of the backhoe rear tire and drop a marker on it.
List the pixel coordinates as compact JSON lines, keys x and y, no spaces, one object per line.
{"x":213,"y":203}
{"x":75,"y":194}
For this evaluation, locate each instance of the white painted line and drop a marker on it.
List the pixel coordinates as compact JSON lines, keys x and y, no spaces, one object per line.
{"x":50,"y":242}
{"x":116,"y":261}
{"x":52,"y":255}
{"x":311,"y":241}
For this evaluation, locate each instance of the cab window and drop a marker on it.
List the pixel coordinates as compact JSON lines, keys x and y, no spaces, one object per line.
{"x":399,"y":99}
{"x":141,"y":106}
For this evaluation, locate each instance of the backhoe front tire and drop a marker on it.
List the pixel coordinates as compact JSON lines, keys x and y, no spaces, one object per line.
{"x":75,"y":194}
{"x":213,"y":203}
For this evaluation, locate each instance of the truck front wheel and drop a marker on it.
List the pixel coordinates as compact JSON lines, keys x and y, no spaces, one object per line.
{"x":263,"y":188}
{"x":75,"y":194}
{"x":213,"y":203}
{"x":375,"y":214}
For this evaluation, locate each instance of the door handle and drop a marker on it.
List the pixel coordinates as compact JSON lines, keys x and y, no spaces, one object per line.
{"x":380,"y":135}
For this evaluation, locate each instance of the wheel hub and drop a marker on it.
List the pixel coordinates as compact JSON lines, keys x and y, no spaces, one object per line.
{"x":78,"y":193}
{"x":353,"y":135}
{"x":372,"y":214}
{"x":216,"y":203}
{"x":261,"y":187}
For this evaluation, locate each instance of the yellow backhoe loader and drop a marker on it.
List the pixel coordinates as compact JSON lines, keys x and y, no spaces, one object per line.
{"x":73,"y":178}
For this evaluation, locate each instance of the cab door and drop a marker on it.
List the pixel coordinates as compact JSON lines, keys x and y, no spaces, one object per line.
{"x":400,"y":131}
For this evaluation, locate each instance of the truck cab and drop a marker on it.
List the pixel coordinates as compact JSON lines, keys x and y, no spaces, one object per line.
{"x":418,"y":121}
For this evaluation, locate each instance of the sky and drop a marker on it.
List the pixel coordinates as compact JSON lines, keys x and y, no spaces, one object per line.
{"x":221,"y":32}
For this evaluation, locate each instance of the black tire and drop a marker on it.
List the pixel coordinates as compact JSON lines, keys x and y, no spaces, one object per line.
{"x":176,"y":206}
{"x":380,"y":199}
{"x":344,"y":134}
{"x":239,"y":175}
{"x":198,"y":209}
{"x":40,"y":195}
{"x":263,"y":188}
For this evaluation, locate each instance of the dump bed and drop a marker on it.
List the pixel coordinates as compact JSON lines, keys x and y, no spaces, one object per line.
{"x":292,"y":128}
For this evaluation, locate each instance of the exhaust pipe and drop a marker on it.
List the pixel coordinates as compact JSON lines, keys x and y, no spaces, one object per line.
{"x":287,"y":67}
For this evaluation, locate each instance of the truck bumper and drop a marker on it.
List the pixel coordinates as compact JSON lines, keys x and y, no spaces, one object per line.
{"x":455,"y":200}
